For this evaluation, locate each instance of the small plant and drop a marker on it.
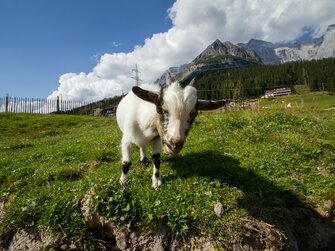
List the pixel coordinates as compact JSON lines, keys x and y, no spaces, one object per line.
{"x":180,"y":222}
{"x":116,"y":203}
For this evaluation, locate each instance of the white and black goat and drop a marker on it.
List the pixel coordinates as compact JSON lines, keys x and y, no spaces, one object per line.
{"x":153,"y":115}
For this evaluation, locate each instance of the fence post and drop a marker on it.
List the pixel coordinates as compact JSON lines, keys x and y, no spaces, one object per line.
{"x":57,"y":105}
{"x":7,"y":102}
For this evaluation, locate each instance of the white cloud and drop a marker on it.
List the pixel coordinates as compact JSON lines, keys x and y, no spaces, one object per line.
{"x":87,"y":87}
{"x":116,"y":44}
{"x":197,"y":23}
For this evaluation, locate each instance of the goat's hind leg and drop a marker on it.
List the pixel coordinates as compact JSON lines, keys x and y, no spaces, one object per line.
{"x":143,"y":156}
{"x":126,"y":160}
{"x":156,"y":158}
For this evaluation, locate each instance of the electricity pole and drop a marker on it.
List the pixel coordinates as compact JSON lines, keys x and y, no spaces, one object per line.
{"x":137,"y":78}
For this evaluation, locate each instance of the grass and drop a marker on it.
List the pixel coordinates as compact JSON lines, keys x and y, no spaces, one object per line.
{"x":258,"y":164}
{"x":309,"y":100}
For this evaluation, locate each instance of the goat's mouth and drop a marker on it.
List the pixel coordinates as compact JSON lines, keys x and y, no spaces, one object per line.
{"x":170,"y":149}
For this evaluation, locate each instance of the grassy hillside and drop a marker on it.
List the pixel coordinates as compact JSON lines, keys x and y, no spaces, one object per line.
{"x":270,"y":171}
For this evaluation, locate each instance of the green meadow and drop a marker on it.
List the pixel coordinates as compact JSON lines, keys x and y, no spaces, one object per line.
{"x":261,"y":165}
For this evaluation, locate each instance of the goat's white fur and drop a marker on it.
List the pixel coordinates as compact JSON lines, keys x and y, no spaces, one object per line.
{"x":137,"y":120}
{"x":142,"y":124}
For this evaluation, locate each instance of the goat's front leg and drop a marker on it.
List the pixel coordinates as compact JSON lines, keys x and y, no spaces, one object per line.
{"x":156,"y":158}
{"x":126,"y":160}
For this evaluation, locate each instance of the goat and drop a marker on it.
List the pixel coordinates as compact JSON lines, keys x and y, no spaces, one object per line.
{"x":153,"y":115}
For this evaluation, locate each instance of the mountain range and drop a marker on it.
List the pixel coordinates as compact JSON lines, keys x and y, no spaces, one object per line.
{"x":317,"y":48}
{"x":226,"y":55}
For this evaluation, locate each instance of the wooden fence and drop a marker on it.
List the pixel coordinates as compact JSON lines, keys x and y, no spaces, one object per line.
{"x":103,"y":107}
{"x":36,"y":105}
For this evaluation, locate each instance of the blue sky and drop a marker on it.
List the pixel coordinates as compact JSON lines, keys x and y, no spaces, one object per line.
{"x":42,"y":39}
{"x":86,"y":49}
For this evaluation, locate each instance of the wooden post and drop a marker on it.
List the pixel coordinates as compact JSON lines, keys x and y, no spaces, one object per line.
{"x":57,"y":105}
{"x":7,"y":102}
{"x":14,"y":105}
{"x":31,"y":101}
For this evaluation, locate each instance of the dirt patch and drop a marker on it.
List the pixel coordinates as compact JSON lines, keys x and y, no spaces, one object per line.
{"x":30,"y":238}
{"x":2,"y":209}
{"x":325,"y":171}
{"x":261,"y":236}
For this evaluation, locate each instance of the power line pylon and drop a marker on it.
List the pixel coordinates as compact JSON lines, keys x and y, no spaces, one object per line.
{"x":137,"y":78}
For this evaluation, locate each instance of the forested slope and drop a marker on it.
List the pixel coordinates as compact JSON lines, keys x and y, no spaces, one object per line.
{"x":253,"y":81}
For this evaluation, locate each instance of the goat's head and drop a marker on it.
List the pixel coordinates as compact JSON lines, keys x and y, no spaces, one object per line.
{"x":176,"y":108}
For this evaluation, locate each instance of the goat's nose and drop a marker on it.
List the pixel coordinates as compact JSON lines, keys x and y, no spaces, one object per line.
{"x":177,"y":143}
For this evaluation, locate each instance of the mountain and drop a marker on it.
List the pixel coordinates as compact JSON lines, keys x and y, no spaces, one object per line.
{"x":221,"y":52}
{"x":327,"y":47}
{"x":265,"y":50}
{"x":216,"y":56}
{"x":175,"y":70}
{"x":317,"y":48}
{"x":219,"y":56}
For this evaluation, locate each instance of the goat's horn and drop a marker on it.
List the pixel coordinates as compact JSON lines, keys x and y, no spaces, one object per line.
{"x":168,"y":78}
{"x":192,"y":82}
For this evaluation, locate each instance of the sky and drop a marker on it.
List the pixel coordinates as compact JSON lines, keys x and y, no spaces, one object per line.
{"x":86,"y":49}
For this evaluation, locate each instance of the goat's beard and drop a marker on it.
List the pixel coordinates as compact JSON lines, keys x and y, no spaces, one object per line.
{"x":166,"y":146}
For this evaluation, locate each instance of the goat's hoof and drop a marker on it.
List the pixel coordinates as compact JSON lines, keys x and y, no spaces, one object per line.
{"x":156,"y":182}
{"x":123,"y":183}
{"x":123,"y":180}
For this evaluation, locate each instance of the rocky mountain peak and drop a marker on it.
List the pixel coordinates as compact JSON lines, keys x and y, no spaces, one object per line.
{"x":256,"y":42}
{"x":264,"y":49}
{"x":331,"y":27}
{"x":216,"y":56}
{"x":217,"y":48}
{"x":316,"y":48}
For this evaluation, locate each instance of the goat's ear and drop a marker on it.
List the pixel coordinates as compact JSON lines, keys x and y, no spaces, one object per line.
{"x":169,"y":79}
{"x":146,"y":95}
{"x":206,"y":105}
